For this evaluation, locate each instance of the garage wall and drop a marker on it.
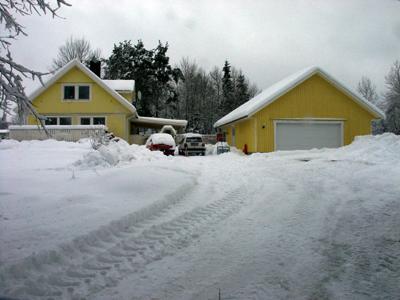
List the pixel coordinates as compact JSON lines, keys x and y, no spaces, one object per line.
{"x":314,"y":98}
{"x":245,"y":134}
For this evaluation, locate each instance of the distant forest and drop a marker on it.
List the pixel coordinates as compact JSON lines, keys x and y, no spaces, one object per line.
{"x":185,"y":91}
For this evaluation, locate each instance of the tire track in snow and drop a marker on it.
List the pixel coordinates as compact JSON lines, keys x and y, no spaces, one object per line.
{"x":16,"y":280}
{"x":118,"y":250}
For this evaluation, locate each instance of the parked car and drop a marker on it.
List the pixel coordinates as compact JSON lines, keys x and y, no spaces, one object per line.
{"x":222,"y":147}
{"x":163,"y":142}
{"x":192,"y":144}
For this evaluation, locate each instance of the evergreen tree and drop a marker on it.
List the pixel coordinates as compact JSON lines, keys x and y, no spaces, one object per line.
{"x":201,"y":94}
{"x":242,"y":90}
{"x":155,"y":79}
{"x":228,"y":101}
{"x":393,"y":99}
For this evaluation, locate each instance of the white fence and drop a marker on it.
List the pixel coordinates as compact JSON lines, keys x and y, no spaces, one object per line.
{"x":70,"y":133}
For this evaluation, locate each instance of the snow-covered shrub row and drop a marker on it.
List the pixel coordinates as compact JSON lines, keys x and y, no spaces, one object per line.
{"x":117,"y":153}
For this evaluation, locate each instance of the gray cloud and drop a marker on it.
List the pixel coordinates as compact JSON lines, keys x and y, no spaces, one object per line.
{"x":266,"y":39}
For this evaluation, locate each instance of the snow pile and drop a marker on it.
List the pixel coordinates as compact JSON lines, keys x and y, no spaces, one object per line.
{"x":383,"y":148}
{"x":117,"y":153}
{"x":210,"y":149}
{"x":8,"y":144}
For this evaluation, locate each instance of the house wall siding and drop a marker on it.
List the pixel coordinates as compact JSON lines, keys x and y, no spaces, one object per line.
{"x":315,"y":98}
{"x":50,"y":102}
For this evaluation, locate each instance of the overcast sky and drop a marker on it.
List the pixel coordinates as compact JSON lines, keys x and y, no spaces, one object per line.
{"x":266,"y":39}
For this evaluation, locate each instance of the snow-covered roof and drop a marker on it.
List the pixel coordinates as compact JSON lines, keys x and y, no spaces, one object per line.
{"x":120,"y":84}
{"x":88,"y":72}
{"x":160,"y":121}
{"x":272,"y":93}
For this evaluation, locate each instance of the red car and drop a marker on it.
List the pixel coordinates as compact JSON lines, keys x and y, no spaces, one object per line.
{"x":161,"y":142}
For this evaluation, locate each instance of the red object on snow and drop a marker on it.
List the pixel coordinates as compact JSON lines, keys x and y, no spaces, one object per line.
{"x":220,"y":137}
{"x":245,"y":149}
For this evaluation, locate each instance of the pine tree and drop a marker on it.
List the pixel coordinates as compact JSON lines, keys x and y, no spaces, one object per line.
{"x":201,"y":95}
{"x":228,"y":102}
{"x":393,"y":99}
{"x":155,"y":79}
{"x":242,"y":90}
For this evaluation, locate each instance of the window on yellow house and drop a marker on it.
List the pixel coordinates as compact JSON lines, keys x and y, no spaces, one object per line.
{"x":69,"y":92}
{"x":76,"y":92}
{"x":50,"y":121}
{"x":58,"y":121}
{"x":65,"y":121}
{"x":84,"y":92}
{"x":93,"y":120}
{"x":85,"y":121}
{"x":99,"y":121}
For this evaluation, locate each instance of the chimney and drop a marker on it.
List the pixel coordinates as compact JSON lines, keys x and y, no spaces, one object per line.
{"x":95,"y":67}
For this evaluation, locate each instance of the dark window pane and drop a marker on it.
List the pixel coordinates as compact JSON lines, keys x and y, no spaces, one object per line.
{"x":85,"y":121}
{"x":194,"y":140}
{"x":50,"y":121}
{"x":84,"y":92}
{"x":65,"y":121}
{"x":99,"y":121}
{"x":69,"y":92}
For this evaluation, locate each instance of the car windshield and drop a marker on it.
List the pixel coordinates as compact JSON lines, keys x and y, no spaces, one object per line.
{"x":194,"y":139}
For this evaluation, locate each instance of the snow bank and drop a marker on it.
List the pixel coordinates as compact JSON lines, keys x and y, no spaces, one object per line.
{"x":212,"y":149}
{"x":117,"y":153}
{"x":384,"y":148}
{"x":8,"y":144}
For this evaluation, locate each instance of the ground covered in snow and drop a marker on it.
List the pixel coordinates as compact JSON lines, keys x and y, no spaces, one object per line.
{"x":122,"y":222}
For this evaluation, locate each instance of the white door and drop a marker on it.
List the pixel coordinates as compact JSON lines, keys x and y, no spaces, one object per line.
{"x":303,"y":135}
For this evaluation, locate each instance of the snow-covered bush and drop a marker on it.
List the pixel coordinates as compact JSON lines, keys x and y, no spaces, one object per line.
{"x":116,"y":153}
{"x":99,"y":138}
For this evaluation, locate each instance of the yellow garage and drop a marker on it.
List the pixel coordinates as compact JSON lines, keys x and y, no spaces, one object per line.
{"x":309,"y":109}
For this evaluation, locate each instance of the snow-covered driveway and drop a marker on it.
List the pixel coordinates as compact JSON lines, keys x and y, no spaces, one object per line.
{"x":301,"y":225}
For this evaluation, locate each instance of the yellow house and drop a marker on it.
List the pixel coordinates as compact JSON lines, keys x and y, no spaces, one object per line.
{"x":309,"y":109}
{"x":74,"y":95}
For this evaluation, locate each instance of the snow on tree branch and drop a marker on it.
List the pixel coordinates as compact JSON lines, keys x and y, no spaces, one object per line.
{"x":11,"y":72}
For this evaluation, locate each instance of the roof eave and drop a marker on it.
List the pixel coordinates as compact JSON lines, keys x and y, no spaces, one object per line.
{"x":230,"y":122}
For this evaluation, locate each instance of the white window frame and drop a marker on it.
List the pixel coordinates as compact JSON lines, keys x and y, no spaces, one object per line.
{"x":58,"y":119}
{"x":308,"y":121}
{"x":76,"y":88}
{"x":91,"y":119}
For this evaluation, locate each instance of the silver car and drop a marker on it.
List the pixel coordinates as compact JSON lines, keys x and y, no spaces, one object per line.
{"x":192,"y":144}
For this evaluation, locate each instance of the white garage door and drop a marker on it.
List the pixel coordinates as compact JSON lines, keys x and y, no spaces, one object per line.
{"x":303,"y":135}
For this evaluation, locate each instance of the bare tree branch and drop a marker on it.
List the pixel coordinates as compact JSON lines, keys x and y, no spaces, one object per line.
{"x":11,"y":72}
{"x":75,"y":48}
